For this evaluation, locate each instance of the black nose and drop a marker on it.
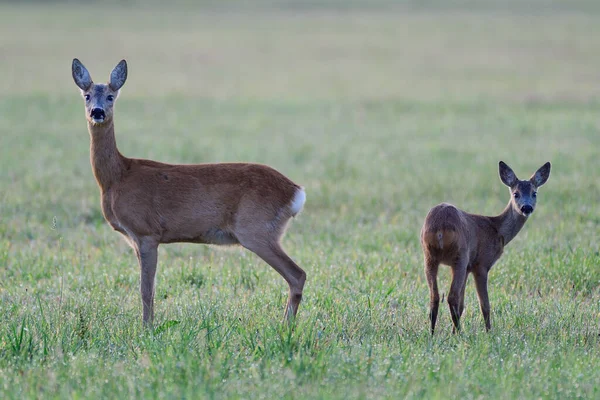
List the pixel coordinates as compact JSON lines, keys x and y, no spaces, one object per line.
{"x":97,"y":113}
{"x":527,"y":209}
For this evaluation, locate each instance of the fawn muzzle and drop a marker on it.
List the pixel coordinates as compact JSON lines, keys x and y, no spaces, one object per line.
{"x":526,"y":210}
{"x":97,"y":114}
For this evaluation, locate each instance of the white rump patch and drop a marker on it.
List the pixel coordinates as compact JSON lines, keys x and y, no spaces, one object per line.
{"x":298,"y":201}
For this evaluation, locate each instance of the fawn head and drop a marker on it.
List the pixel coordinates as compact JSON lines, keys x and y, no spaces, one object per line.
{"x":524,"y":193}
{"x":99,"y":97}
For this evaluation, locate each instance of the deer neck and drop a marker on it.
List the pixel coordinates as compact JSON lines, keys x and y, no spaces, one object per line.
{"x":509,"y":223}
{"x":108,"y":164}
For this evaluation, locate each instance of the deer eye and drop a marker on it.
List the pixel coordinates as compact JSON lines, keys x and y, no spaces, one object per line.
{"x":110,"y":97}
{"x":534,"y":195}
{"x":516,"y":195}
{"x":87,"y":97}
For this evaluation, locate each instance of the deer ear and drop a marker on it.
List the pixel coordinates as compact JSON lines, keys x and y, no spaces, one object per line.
{"x":541,"y":175}
{"x":81,"y":76}
{"x":118,"y":76}
{"x":507,"y":176}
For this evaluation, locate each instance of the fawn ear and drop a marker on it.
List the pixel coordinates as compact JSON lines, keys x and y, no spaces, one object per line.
{"x":507,"y":176}
{"x":118,"y":76}
{"x":541,"y":175}
{"x":81,"y":76}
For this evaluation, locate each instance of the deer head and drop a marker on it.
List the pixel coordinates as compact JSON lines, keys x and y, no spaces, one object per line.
{"x":99,"y":97}
{"x":524,"y":193}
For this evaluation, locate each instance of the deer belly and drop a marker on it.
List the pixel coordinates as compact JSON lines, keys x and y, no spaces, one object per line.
{"x":214,"y":236}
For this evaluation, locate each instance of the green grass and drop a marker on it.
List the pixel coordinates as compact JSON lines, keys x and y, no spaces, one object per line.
{"x":380,"y":111}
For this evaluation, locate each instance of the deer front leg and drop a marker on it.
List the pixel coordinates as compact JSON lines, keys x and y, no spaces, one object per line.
{"x":431,"y":271}
{"x":457,"y":287}
{"x":482,"y":293}
{"x":147,"y":253}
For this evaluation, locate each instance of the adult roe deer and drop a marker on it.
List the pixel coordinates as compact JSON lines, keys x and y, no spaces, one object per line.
{"x":471,"y":243}
{"x":152,"y":203}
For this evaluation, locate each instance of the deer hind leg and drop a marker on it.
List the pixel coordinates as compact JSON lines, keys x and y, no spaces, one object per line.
{"x":457,"y":288}
{"x":431,"y":271}
{"x":146,"y":250}
{"x":272,"y":253}
{"x":484,"y":301}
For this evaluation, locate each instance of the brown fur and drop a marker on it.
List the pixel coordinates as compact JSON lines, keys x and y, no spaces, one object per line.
{"x":471,"y":243}
{"x":152,"y":203}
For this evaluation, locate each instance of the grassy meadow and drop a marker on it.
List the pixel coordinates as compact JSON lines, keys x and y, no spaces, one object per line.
{"x":380,"y":111}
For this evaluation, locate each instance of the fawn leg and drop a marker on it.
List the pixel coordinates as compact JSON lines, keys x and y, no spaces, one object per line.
{"x":461,"y":304}
{"x":431,"y":270}
{"x":482,"y":294}
{"x":457,"y":287}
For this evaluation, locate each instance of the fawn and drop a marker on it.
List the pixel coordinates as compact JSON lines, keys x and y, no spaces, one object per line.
{"x":471,"y":243}
{"x":150,"y":203}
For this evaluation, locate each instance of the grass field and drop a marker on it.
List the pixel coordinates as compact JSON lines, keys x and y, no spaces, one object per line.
{"x":381,"y":111}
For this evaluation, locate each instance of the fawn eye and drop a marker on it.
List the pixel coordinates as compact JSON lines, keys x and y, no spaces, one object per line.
{"x":87,"y":97}
{"x":534,"y":195}
{"x":110,"y":97}
{"x":516,"y":195}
